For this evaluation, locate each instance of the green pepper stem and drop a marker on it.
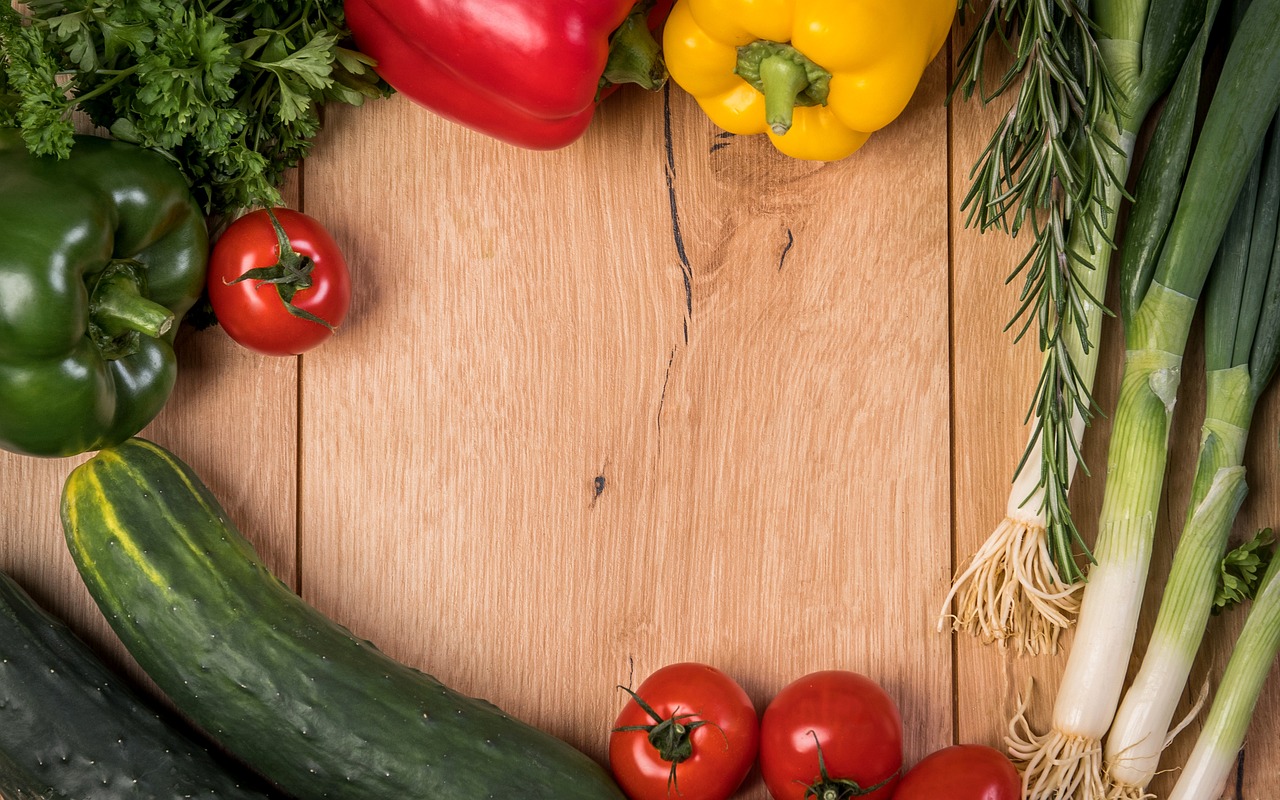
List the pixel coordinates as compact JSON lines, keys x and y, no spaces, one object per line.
{"x":119,"y":308}
{"x":783,"y":81}
{"x":634,"y":54}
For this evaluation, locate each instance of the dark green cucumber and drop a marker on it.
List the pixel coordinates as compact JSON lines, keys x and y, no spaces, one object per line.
{"x":70,"y":727}
{"x":17,"y":782}
{"x":316,"y":710}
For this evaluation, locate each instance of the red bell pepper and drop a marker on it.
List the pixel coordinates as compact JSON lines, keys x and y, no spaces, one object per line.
{"x":528,"y":72}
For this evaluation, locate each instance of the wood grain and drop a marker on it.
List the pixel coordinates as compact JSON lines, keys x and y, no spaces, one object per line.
{"x":623,"y":405}
{"x":662,"y":395}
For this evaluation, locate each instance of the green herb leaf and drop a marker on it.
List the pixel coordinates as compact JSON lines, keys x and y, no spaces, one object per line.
{"x":1048,"y":170}
{"x":38,"y":100}
{"x":229,"y":91}
{"x":1242,"y":570}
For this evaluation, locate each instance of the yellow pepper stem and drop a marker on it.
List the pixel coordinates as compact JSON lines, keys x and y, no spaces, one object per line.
{"x":786,"y":78}
{"x":783,"y":81}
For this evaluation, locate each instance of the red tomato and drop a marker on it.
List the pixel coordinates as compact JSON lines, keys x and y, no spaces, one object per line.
{"x":254,"y":277}
{"x":962,"y":772}
{"x":828,"y":735}
{"x":689,"y":731}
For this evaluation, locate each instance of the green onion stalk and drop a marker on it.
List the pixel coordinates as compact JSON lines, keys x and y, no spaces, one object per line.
{"x":1205,"y":774}
{"x":1022,"y":586}
{"x":1242,"y":334}
{"x":1066,"y":761}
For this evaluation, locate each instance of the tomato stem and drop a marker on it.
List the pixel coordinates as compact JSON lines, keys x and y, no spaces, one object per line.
{"x":290,"y":274}
{"x":829,"y":788}
{"x":670,"y":736}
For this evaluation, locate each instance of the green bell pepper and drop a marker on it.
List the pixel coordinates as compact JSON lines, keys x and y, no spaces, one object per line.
{"x":101,"y":255}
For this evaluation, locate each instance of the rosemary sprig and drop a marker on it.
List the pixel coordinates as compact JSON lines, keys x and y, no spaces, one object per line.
{"x":1047,"y":169}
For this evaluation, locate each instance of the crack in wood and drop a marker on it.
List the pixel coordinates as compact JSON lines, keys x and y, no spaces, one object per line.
{"x":791,"y":240}
{"x":686,"y":270}
{"x":662,"y":397}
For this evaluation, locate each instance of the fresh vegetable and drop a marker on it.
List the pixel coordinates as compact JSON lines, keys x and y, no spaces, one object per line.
{"x":528,"y":73}
{"x":77,"y":728}
{"x":961,"y":772}
{"x":1213,"y":758}
{"x":103,"y":253}
{"x":689,"y":730}
{"x":831,"y":734}
{"x":1056,"y":165}
{"x":278,"y":282}
{"x":293,"y":694}
{"x":230,"y":91}
{"x":1067,"y":758}
{"x":817,"y":79}
{"x":1242,"y":343}
{"x":17,"y":782}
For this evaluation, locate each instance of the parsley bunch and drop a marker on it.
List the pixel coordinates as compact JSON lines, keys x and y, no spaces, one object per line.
{"x":229,"y":90}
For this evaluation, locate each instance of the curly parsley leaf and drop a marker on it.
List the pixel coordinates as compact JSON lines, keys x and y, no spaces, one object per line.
{"x":35,"y":100}
{"x":1242,"y":569}
{"x":10,"y":98}
{"x":230,"y":91}
{"x":299,"y":72}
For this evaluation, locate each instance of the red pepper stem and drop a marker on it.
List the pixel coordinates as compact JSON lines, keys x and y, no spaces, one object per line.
{"x":634,"y":54}
{"x":118,"y":307}
{"x":783,"y":81}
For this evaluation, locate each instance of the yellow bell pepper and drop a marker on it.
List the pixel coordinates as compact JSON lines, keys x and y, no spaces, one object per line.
{"x":817,"y":76}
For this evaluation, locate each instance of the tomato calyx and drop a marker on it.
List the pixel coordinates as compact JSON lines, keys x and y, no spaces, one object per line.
{"x":670,"y":736}
{"x":290,"y":274}
{"x":829,"y":788}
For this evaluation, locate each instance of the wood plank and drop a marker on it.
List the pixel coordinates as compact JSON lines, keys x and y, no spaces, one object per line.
{"x":564,"y":441}
{"x":662,"y":395}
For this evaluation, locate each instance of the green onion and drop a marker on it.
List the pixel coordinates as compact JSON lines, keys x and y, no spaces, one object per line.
{"x":1066,"y":761}
{"x":1242,"y":328}
{"x":1022,"y":586}
{"x":1205,"y":773}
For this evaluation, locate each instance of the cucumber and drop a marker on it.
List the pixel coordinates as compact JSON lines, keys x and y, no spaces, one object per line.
{"x":70,"y":727}
{"x":318,"y":711}
{"x":17,"y":783}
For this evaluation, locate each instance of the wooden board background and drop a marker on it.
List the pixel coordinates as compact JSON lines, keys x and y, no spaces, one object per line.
{"x":662,"y":395}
